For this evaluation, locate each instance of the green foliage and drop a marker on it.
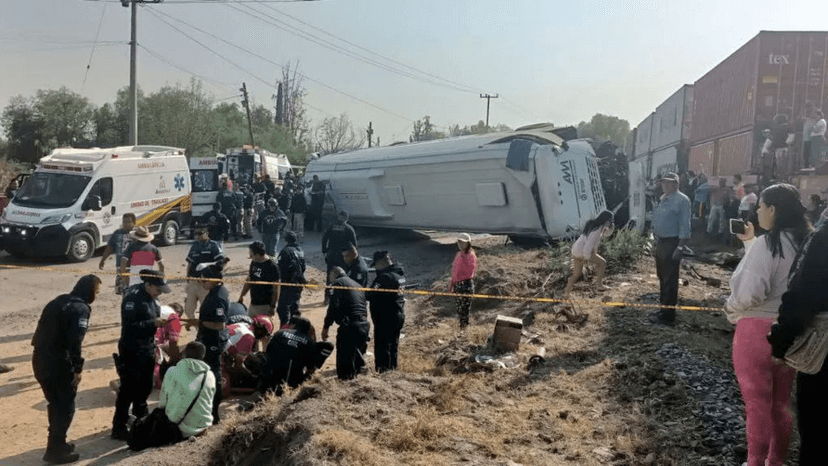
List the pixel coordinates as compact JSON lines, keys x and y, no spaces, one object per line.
{"x":424,"y":131}
{"x":180,"y":116}
{"x":52,"y":118}
{"x":622,"y":249}
{"x":604,"y":128}
{"x":479,"y":128}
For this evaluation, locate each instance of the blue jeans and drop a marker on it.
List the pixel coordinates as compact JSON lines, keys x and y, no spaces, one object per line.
{"x":271,"y":242}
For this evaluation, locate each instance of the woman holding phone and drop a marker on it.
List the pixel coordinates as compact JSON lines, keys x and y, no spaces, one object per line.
{"x":757,"y":286}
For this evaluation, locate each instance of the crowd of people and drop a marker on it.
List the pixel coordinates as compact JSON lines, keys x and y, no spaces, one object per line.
{"x":238,"y":349}
{"x":777,"y":295}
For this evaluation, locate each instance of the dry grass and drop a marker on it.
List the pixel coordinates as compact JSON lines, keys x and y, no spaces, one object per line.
{"x":346,"y":448}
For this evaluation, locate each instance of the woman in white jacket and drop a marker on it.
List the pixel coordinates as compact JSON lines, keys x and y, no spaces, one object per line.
{"x":757,"y":286}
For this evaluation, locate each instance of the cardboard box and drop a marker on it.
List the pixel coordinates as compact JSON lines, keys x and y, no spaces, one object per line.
{"x":507,"y":333}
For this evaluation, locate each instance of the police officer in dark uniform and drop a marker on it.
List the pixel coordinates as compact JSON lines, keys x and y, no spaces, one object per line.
{"x":135,"y":361}
{"x":237,"y":314}
{"x":291,"y":264}
{"x":212,"y":327}
{"x":227,"y":199}
{"x":217,"y":223}
{"x":337,"y":237}
{"x":349,"y":309}
{"x":284,"y":198}
{"x":57,"y":361}
{"x":291,"y":357}
{"x":387,"y":310}
{"x":355,"y":265}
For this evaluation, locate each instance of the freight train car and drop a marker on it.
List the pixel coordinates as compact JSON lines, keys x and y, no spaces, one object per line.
{"x":765,"y":84}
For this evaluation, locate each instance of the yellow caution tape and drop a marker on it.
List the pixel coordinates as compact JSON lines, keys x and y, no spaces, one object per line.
{"x":525,"y":299}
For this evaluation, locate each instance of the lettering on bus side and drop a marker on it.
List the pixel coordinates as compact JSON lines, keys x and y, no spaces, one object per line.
{"x":567,"y":167}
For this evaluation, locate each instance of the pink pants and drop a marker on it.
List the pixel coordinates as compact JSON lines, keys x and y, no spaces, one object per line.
{"x":766,"y":391}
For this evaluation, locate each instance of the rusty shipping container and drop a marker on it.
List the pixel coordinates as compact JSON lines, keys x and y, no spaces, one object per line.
{"x":770,"y":77}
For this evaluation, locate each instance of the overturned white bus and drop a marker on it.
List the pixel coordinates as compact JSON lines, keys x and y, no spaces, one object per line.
{"x":527,"y":184}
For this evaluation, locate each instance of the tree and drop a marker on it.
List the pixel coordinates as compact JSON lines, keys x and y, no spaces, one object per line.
{"x":22,"y":128}
{"x":50,"y":119}
{"x":289,"y":103}
{"x":178,"y":116}
{"x":604,"y":128}
{"x":423,"y":130}
{"x":336,"y":134}
{"x":479,"y":128}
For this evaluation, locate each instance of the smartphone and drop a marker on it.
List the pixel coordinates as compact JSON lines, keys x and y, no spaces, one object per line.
{"x":737,"y":227}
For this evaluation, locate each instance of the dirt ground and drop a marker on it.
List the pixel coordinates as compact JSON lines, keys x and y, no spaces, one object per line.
{"x":601,"y":394}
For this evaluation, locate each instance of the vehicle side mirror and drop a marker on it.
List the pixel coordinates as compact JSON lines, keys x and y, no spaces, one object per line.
{"x":92,"y":203}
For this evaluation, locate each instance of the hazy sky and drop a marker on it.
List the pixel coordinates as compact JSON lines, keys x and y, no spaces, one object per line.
{"x":549,"y":61}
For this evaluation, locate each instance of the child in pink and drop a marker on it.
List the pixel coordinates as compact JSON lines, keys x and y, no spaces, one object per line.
{"x":166,"y":340}
{"x":462,"y":277}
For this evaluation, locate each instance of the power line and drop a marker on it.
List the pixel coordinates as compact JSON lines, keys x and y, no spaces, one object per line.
{"x":351,"y":96}
{"x":266,"y":82}
{"x":92,"y":53}
{"x":289,"y":28}
{"x":159,"y":57}
{"x":458,"y":85}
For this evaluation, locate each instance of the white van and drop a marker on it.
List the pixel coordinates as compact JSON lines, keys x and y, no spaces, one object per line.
{"x":204,"y":172}
{"x":75,"y":198}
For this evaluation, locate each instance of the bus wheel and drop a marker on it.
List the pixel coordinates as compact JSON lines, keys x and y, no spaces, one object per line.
{"x":81,"y":247}
{"x":169,"y":234}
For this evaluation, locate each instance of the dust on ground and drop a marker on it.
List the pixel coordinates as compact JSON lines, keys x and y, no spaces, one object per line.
{"x":605,"y":392}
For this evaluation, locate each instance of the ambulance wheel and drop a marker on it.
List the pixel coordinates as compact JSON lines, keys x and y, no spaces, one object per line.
{"x":81,"y":247}
{"x":169,"y":234}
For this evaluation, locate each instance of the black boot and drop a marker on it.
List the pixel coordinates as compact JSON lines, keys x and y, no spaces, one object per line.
{"x":60,"y":453}
{"x":120,"y":432}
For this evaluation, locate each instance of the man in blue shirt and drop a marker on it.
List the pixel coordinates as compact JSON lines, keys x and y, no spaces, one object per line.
{"x":671,"y":227}
{"x":117,"y":244}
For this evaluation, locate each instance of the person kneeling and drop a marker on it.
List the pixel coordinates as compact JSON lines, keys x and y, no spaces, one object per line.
{"x":292,"y":357}
{"x":185,"y":404}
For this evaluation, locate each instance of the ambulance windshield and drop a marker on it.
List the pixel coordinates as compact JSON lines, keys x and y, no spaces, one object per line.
{"x":51,"y":190}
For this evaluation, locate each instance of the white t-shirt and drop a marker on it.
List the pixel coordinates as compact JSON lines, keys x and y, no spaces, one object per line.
{"x":586,"y":244}
{"x":747,"y":202}
{"x":819,"y":128}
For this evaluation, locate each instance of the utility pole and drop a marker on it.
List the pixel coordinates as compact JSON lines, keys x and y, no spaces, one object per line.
{"x":488,"y":98}
{"x":246,"y":103}
{"x":370,"y":132}
{"x":133,"y":68}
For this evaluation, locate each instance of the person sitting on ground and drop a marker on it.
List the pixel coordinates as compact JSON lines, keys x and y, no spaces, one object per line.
{"x":187,"y":396}
{"x":585,"y":250}
{"x":291,"y":358}
{"x":757,"y":286}
{"x":167,"y":351}
{"x":242,"y":342}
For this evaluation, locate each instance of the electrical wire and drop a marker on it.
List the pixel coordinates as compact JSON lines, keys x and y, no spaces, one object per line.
{"x":287,"y":27}
{"x":455,"y":84}
{"x":158,"y":15}
{"x":92,"y":53}
{"x":159,"y":57}
{"x":237,"y":66}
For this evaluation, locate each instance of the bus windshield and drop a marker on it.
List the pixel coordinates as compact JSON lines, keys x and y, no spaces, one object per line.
{"x":51,"y":190}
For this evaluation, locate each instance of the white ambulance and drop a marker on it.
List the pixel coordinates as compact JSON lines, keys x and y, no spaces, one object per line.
{"x":75,"y":198}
